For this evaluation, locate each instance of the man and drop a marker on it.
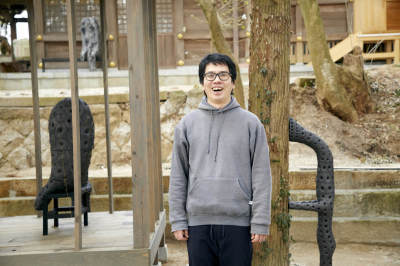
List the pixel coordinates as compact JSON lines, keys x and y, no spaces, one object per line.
{"x":220,"y":185}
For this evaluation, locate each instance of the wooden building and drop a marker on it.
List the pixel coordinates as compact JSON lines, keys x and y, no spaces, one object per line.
{"x":184,"y":38}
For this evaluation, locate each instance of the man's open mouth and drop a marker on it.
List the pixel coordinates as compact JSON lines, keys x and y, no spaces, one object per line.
{"x":217,"y":89}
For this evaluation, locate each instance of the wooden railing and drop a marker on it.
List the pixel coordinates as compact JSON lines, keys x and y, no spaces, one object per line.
{"x":388,"y":43}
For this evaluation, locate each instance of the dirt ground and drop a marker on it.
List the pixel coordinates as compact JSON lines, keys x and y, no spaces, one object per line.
{"x":374,"y":140}
{"x":307,"y":254}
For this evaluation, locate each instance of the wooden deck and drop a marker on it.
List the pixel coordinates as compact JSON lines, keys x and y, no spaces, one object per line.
{"x":107,"y":240}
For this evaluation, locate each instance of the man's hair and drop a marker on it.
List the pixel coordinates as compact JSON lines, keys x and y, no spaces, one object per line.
{"x":217,"y":59}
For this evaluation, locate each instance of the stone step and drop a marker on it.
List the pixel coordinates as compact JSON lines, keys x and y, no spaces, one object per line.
{"x":116,"y":78}
{"x":299,"y":180}
{"x":59,"y":78}
{"x":354,"y":202}
{"x":368,"y":230}
{"x":23,"y":98}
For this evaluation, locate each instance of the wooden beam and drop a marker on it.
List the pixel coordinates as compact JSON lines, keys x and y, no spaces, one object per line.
{"x":111,"y":13}
{"x":299,"y":50}
{"x":13,"y":28}
{"x":396,"y":51}
{"x":378,"y":56}
{"x":35,"y":96}
{"x":75,"y":123}
{"x":179,"y":43}
{"x":103,"y":37}
{"x":39,"y":27}
{"x":155,"y":114}
{"x":150,"y":34}
{"x":139,"y":85}
{"x":349,"y":17}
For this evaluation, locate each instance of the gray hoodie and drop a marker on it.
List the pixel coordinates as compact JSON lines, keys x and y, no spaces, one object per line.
{"x":220,"y":172}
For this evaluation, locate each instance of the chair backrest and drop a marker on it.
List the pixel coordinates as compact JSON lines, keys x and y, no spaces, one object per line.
{"x":61,"y":145}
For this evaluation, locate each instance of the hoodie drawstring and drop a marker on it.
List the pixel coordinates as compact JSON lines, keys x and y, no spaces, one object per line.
{"x":209,"y":132}
{"x":219,"y":134}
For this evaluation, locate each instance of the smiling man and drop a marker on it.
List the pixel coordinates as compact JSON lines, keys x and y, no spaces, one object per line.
{"x":220,"y":184}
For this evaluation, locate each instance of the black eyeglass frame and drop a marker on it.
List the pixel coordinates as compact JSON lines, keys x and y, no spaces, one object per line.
{"x":217,"y":74}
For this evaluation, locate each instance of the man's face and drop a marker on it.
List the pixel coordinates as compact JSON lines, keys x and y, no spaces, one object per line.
{"x":218,"y":91}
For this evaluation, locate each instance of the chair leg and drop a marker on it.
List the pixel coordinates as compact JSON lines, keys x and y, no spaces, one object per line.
{"x":85,"y":203}
{"x":45,"y":224}
{"x":85,"y":219}
{"x":55,"y":201}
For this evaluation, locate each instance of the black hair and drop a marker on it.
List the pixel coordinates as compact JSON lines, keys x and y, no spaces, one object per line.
{"x":217,"y":59}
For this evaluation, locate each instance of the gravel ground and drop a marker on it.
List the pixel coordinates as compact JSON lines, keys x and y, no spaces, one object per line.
{"x":307,"y":254}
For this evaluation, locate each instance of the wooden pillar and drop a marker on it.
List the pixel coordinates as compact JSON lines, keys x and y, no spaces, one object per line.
{"x":155,"y":107}
{"x":299,"y":51}
{"x":388,"y":49}
{"x":111,"y":30}
{"x":13,"y":27}
{"x":103,"y":37}
{"x":247,"y":42}
{"x":150,"y":34}
{"x":179,"y":41}
{"x":349,"y":17}
{"x":75,"y":122}
{"x":396,"y":51}
{"x":35,"y":96}
{"x":139,"y":68}
{"x":235,"y":29}
{"x":39,"y":28}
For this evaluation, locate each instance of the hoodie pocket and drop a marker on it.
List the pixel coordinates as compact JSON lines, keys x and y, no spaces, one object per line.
{"x":219,"y":197}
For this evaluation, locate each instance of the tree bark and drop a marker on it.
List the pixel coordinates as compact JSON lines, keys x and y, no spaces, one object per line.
{"x":269,"y":100}
{"x":222,"y":46}
{"x":334,"y":94}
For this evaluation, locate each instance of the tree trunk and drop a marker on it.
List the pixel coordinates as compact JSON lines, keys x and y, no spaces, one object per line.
{"x":222,"y":46}
{"x":333,"y":93}
{"x":269,"y":100}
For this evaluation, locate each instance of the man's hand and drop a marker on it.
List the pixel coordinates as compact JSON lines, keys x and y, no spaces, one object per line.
{"x":181,"y":234}
{"x":255,"y":238}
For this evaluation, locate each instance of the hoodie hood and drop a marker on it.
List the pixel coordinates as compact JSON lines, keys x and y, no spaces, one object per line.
{"x":219,"y":115}
{"x":204,"y":105}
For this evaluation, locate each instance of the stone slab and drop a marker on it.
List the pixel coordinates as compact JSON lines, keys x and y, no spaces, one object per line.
{"x":381,"y":231}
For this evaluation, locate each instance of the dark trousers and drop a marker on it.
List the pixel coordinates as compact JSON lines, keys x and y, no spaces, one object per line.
{"x":219,"y":245}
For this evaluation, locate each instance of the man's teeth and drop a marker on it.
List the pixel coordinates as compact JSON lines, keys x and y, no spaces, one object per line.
{"x":217,"y":89}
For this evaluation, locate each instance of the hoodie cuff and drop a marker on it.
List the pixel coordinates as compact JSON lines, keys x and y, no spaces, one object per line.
{"x":181,"y":225}
{"x":261,"y":229}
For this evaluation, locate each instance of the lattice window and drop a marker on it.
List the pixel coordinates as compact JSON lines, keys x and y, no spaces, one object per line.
{"x":55,"y":14}
{"x":164,"y":11}
{"x":165,"y":20}
{"x":122,"y":17}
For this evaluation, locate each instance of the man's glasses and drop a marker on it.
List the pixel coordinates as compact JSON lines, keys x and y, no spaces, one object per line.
{"x":223,"y":76}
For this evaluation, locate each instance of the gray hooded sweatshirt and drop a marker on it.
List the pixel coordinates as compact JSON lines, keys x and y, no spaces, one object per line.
{"x":220,"y":171}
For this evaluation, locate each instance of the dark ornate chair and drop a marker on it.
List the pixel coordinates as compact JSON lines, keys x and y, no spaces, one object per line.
{"x":61,"y":181}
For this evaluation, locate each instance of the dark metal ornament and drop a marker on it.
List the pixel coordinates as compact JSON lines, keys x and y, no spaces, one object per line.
{"x":325,"y":189}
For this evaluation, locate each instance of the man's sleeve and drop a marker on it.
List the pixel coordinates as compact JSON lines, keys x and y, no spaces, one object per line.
{"x":178,"y":180}
{"x":261,"y":183}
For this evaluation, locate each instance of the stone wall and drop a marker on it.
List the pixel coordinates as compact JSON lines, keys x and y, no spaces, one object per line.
{"x":17,"y":137}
